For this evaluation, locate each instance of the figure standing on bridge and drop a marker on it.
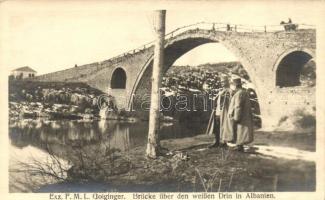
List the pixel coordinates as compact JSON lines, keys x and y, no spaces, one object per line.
{"x":240,"y":113}
{"x":220,"y":124}
{"x":289,"y":26}
{"x":228,"y":27}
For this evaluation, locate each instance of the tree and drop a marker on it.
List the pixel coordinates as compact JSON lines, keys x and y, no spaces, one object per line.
{"x":153,"y":144}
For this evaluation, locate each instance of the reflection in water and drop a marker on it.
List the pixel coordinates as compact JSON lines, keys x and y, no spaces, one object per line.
{"x":65,"y":136}
{"x":85,"y":145}
{"x":40,"y":133}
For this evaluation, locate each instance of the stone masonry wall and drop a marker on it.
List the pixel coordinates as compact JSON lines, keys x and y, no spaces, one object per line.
{"x":258,"y":52}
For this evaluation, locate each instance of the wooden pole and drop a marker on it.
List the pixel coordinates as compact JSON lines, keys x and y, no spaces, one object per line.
{"x":153,"y":144}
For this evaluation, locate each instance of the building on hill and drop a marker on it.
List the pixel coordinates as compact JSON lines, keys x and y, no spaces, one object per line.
{"x":23,"y":72}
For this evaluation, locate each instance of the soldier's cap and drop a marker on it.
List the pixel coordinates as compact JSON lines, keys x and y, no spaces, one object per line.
{"x":236,"y":81}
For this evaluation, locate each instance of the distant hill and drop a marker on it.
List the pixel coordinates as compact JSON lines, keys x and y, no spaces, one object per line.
{"x":222,"y":67}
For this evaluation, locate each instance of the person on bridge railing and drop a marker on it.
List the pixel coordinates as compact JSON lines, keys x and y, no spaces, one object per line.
{"x":289,"y":26}
{"x":228,"y":27}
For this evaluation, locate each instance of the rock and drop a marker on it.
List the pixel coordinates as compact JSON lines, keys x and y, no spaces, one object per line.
{"x":74,"y":109}
{"x":105,"y":113}
{"x":89,"y":111}
{"x":42,"y":114}
{"x":168,"y":119}
{"x":27,"y":114}
{"x":88,"y":116}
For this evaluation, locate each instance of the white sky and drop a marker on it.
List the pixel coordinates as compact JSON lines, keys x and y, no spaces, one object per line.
{"x":206,"y":53}
{"x":50,"y":36}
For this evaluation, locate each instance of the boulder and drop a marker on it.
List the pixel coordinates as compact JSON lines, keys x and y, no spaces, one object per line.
{"x":106,"y":113}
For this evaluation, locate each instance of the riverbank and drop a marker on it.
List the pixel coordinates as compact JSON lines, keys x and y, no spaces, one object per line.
{"x":194,"y":167}
{"x":190,"y":166}
{"x":52,"y":100}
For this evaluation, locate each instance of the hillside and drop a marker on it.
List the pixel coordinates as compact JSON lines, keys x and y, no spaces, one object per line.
{"x":222,"y":67}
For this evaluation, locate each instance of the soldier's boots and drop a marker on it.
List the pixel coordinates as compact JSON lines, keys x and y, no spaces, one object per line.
{"x":218,"y":145}
{"x":239,"y":148}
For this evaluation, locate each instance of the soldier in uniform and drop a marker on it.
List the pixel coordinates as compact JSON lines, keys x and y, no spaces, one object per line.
{"x":219,"y":123}
{"x":240,"y":113}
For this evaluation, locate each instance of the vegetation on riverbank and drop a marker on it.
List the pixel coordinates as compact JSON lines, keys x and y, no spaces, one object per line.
{"x":189,"y":165}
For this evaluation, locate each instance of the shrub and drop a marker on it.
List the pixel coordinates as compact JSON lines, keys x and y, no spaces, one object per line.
{"x":306,"y":121}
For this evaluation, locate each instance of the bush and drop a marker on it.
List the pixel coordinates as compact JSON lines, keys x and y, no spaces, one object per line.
{"x":299,"y":119}
{"x":283,"y":119}
{"x":306,"y":121}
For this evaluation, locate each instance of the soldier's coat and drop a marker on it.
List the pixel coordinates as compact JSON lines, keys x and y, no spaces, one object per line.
{"x":241,"y":114}
{"x":221,"y":112}
{"x":226,"y":125}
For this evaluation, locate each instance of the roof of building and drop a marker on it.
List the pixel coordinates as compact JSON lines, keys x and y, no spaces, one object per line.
{"x":26,"y":69}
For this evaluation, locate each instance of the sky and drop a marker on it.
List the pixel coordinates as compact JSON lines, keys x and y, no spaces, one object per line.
{"x":54,"y":35}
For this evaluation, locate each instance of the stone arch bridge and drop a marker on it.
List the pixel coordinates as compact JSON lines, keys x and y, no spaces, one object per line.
{"x":272,"y":58}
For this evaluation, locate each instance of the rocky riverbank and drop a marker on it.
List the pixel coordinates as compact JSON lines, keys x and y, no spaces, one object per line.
{"x":51,"y":111}
{"x":30,"y":99}
{"x":59,"y":100}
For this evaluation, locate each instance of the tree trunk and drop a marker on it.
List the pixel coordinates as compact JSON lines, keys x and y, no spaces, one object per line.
{"x":153,"y":145}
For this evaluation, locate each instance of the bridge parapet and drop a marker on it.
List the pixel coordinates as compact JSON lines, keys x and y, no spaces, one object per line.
{"x":200,"y":26}
{"x":213,"y":26}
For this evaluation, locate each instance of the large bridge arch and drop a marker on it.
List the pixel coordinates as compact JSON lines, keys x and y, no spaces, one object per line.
{"x":174,"y":49}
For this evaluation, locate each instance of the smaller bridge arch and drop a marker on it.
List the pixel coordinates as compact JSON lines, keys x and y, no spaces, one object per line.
{"x":118,"y":79}
{"x":289,"y":65}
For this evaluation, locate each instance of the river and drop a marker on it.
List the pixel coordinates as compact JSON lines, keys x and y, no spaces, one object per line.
{"x":35,"y":140}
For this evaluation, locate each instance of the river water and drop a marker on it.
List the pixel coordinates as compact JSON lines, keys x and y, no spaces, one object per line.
{"x":36,"y":140}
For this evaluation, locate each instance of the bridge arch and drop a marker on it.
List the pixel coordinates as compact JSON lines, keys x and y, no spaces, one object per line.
{"x":176,"y":47}
{"x":289,"y":65}
{"x":118,"y":79}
